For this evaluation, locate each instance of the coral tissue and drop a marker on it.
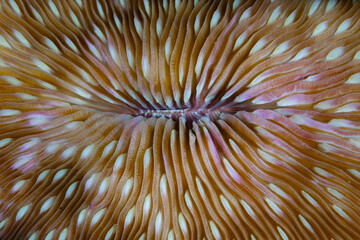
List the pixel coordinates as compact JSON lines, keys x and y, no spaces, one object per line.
{"x":179,"y":119}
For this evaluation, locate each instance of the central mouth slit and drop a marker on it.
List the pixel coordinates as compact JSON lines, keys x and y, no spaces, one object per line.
{"x":195,"y":113}
{"x":188,"y":114}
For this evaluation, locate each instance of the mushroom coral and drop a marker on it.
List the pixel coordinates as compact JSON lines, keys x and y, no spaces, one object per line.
{"x":179,"y":119}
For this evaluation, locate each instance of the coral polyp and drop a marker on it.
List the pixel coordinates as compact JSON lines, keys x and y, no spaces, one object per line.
{"x":173,"y":119}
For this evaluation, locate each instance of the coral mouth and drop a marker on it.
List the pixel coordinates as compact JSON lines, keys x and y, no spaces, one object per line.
{"x":196,"y":112}
{"x":188,"y":114}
